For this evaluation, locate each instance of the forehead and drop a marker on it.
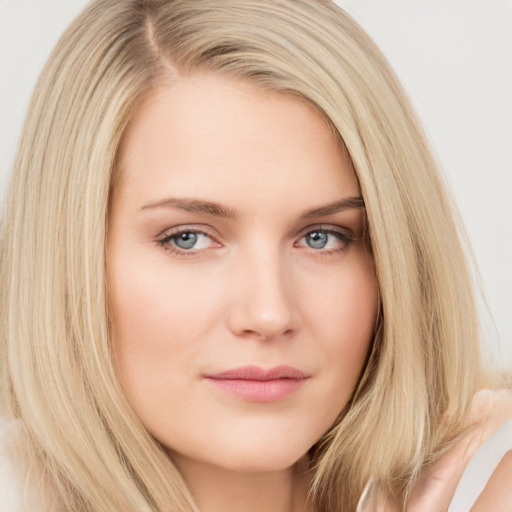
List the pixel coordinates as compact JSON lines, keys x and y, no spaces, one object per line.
{"x":216,"y":135}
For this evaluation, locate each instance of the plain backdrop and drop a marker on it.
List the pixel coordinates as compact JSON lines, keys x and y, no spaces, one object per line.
{"x":454,"y":57}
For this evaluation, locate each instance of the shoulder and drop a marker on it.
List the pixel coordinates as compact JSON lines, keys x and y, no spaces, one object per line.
{"x":10,"y":489}
{"x":497,"y":494}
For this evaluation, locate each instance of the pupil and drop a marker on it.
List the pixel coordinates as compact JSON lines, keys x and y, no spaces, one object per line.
{"x":317,"y":240}
{"x":186,"y":240}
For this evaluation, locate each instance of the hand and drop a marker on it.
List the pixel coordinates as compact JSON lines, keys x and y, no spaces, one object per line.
{"x":435,"y":488}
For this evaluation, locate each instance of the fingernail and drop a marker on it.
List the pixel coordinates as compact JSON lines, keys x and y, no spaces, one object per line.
{"x":364,"y":500}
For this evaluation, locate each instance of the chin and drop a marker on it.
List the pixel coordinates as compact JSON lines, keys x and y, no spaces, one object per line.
{"x":265,"y":454}
{"x":262,"y":461}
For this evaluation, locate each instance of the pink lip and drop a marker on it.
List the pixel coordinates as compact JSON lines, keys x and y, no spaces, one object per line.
{"x":255,"y":384}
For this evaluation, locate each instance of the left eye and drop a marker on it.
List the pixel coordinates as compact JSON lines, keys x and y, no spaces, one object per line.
{"x":325,"y":239}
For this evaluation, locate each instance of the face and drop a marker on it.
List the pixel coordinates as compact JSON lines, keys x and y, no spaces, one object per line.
{"x":242,"y":292}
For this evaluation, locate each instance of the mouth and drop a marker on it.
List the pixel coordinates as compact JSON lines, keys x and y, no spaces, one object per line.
{"x":254,"y":384}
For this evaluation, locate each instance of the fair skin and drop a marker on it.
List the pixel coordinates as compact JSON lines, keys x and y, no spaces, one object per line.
{"x":236,"y":238}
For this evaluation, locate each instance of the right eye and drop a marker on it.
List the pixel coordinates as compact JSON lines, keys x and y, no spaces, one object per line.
{"x":187,"y":241}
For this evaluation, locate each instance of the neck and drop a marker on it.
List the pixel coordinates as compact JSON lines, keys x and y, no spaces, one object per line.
{"x":220,"y":490}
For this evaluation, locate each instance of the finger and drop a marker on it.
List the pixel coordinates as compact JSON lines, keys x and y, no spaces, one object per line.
{"x":436,"y":486}
{"x":434,"y":489}
{"x":481,"y":468}
{"x":374,"y":500}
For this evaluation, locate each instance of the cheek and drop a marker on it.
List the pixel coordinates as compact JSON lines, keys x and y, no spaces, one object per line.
{"x":344,"y":300}
{"x":158,"y":326}
{"x":164,"y":328}
{"x":343,"y":314}
{"x":152,"y":301}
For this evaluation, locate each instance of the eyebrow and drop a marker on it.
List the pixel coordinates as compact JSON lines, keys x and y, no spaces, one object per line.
{"x":343,"y":204}
{"x":218,"y":210}
{"x":194,"y":206}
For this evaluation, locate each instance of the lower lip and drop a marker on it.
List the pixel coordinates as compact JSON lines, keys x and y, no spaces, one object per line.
{"x":258,"y":390}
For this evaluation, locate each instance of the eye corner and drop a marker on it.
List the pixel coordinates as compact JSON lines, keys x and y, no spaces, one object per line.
{"x":341,"y":239}
{"x":192,"y":236}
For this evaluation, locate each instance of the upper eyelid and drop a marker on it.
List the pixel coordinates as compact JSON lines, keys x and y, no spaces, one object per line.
{"x":207,"y":230}
{"x":345,"y":235}
{"x":166,"y":236}
{"x":175,"y":231}
{"x":325,"y":227}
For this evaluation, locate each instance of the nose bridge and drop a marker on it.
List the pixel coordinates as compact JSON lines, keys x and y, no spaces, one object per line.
{"x":263,"y":303}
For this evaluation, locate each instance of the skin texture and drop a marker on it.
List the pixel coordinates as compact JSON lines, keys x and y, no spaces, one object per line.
{"x":497,"y":495}
{"x":253,"y":290}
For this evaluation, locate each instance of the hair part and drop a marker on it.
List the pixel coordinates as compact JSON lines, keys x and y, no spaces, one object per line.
{"x":78,"y":435}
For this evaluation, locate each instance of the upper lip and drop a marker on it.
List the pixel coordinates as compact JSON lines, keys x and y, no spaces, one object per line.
{"x":257,"y":373}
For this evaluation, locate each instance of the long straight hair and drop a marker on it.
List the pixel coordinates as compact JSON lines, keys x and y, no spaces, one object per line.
{"x":80,"y":445}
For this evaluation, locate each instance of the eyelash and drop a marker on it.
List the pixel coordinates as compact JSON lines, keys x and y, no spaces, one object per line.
{"x":344,"y":236}
{"x":166,"y":241}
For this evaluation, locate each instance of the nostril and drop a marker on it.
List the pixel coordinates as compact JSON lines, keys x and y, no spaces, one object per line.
{"x":266,"y":335}
{"x":261,"y":306}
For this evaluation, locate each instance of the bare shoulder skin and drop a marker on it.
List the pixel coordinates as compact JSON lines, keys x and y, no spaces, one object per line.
{"x":497,"y":495}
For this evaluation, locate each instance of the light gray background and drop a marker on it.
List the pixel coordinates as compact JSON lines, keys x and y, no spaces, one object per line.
{"x":454,"y":58}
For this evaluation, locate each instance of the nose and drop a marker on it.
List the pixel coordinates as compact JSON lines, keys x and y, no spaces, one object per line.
{"x":262,"y":301}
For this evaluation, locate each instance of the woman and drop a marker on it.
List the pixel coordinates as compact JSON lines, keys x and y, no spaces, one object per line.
{"x":231,"y":276}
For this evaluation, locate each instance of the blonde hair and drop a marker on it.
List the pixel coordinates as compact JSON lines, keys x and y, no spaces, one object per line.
{"x":80,"y":442}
